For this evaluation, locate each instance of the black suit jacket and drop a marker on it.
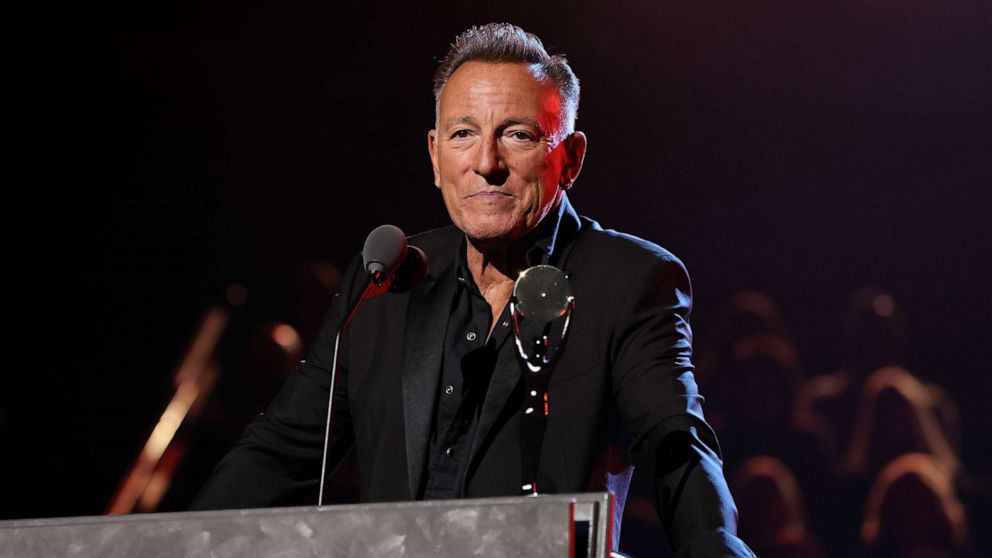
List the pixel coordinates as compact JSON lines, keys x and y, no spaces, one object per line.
{"x":625,"y":364}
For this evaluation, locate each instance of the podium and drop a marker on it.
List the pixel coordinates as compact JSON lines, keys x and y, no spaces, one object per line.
{"x":579,"y":525}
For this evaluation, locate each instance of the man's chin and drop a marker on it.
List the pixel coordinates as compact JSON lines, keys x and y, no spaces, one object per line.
{"x":481,"y":237}
{"x":490,"y":239}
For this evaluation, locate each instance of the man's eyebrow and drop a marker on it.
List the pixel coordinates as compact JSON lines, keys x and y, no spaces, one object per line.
{"x":517,"y":121}
{"x":460,"y":120}
{"x":506,"y":123}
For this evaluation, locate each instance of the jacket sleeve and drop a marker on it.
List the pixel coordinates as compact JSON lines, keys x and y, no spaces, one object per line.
{"x":278,"y":457}
{"x":657,"y":397}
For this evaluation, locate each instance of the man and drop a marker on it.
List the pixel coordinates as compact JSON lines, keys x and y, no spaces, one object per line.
{"x":431,"y":394}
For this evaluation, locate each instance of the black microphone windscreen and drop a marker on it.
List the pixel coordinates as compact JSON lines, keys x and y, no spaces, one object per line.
{"x":385,"y":249}
{"x":411,"y":272}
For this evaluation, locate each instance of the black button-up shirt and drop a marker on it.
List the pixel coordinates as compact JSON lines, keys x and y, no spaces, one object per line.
{"x":467,"y":367}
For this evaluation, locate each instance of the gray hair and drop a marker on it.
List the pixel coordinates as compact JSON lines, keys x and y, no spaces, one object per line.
{"x":504,"y":42}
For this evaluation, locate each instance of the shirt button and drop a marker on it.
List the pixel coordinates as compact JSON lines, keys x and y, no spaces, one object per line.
{"x":471,"y":336}
{"x":449,"y":452}
{"x":448,"y":390}
{"x":505,"y":323}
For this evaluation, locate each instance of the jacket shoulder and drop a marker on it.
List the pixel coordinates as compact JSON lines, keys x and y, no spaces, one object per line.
{"x":626,"y":249}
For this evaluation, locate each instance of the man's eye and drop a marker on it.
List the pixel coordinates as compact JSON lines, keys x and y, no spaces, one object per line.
{"x":461,"y":134}
{"x":521,"y":136}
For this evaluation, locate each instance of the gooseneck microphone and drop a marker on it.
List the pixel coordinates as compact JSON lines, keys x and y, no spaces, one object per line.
{"x":384,"y":251}
{"x":391,"y":265}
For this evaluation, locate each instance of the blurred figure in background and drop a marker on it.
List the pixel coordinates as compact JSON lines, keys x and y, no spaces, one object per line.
{"x":747,"y":313}
{"x":874,"y":334}
{"x":897,"y":414}
{"x":913,"y":512}
{"x":772,"y":511}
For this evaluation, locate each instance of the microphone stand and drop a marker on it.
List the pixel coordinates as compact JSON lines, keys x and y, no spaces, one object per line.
{"x":376,"y":285}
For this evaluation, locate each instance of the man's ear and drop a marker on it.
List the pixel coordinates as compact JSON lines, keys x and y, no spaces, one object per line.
{"x":574,"y":148}
{"x":432,"y":149}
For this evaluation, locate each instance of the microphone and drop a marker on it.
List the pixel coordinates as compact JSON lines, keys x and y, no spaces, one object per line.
{"x":392,"y":266}
{"x":391,"y":263}
{"x":384,"y":251}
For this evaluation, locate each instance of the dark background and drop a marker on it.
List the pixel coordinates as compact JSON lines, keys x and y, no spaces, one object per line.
{"x":161,"y":152}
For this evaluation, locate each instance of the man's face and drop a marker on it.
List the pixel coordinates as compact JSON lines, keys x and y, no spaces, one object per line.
{"x":494,"y":150}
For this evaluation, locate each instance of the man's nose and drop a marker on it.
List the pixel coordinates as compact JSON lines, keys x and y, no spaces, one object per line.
{"x":489,"y":162}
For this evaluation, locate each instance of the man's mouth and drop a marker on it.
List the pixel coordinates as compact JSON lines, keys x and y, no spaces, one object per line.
{"x":490,"y":194}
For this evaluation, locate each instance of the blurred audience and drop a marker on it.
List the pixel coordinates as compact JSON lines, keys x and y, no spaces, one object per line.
{"x":828,"y":437}
{"x":758,"y":390}
{"x":896,"y":415}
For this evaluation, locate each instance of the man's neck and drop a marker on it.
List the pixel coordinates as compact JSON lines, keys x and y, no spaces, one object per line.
{"x":492,"y":266}
{"x":494,"y":271}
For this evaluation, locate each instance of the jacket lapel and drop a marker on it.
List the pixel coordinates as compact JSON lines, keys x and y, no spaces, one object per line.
{"x":426,"y":322}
